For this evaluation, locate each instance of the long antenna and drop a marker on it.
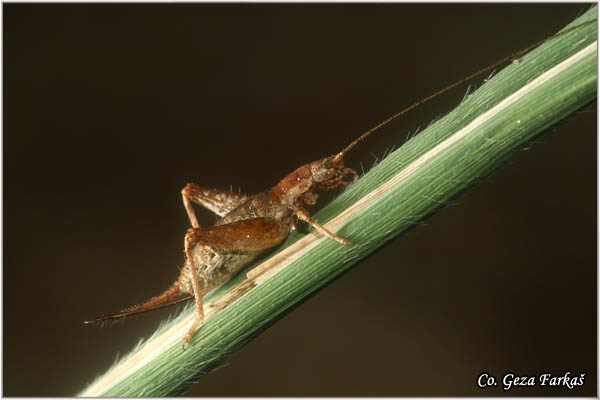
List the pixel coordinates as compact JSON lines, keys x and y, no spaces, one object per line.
{"x":368,"y":133}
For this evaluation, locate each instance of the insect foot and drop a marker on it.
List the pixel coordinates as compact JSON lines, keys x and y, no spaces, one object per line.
{"x":199,"y":320}
{"x":303,"y":215}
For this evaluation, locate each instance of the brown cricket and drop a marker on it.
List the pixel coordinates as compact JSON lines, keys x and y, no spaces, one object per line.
{"x":250,"y":225}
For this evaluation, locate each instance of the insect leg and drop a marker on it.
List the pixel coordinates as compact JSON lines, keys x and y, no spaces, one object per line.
{"x":303,"y":215}
{"x":245,"y":235}
{"x":198,"y":291}
{"x":218,"y":201}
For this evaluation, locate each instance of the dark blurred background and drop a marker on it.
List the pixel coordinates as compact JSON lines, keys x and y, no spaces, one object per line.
{"x":110,"y":109}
